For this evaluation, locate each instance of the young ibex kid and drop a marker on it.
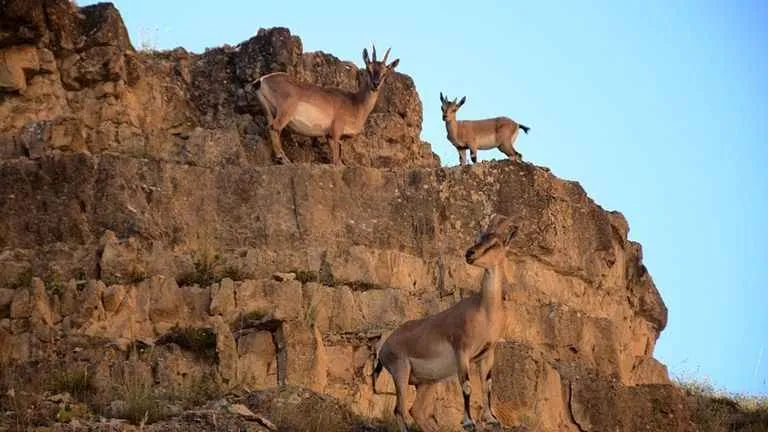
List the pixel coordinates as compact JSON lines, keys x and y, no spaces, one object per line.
{"x":497,"y":132}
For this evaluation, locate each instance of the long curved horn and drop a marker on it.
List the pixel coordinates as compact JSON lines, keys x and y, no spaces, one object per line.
{"x":374,"y":52}
{"x":386,"y":54}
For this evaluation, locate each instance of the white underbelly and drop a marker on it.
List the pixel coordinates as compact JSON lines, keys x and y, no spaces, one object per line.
{"x":435,"y":368}
{"x":486,"y":142}
{"x":309,"y":120}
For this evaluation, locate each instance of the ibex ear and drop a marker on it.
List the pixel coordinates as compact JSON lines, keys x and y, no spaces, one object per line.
{"x":511,"y":232}
{"x":461,"y":102}
{"x":502,"y":226}
{"x":365,"y":57}
{"x":394,"y":64}
{"x":494,"y":221}
{"x":442,"y":98}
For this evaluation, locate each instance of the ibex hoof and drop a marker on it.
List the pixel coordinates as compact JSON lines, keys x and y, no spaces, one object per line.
{"x":469,"y":426}
{"x":282,"y":160}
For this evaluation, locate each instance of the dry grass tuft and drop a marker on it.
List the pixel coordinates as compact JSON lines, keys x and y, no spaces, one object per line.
{"x":716,"y":410}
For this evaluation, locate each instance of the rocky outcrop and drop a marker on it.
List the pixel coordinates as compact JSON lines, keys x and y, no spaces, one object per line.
{"x":71,"y":81}
{"x":142,"y":223}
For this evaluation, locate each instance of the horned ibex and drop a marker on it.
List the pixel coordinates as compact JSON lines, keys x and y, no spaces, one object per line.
{"x":426,"y":351}
{"x":315,"y":111}
{"x":497,"y":132}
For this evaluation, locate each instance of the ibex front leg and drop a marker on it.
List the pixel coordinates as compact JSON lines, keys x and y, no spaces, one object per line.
{"x":334,"y":140}
{"x":274,"y":131}
{"x":486,"y":366}
{"x":473,"y":153}
{"x":463,"y":156}
{"x":462,"y":366}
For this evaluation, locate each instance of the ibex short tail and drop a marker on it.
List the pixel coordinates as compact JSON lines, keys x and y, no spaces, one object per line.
{"x":376,"y":372}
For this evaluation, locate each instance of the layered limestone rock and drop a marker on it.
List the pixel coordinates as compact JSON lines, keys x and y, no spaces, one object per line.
{"x":578,"y":292}
{"x":142,"y":219}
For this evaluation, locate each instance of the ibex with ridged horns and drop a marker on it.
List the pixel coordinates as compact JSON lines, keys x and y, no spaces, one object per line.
{"x":497,"y":132}
{"x":316,"y":111}
{"x":427,"y":351}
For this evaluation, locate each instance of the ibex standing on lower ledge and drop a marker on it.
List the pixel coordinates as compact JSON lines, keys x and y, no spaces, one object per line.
{"x":426,"y":351}
{"x":315,"y":111}
{"x":498,"y":132}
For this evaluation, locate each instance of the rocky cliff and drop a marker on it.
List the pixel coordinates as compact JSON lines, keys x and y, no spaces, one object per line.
{"x":143,"y":228}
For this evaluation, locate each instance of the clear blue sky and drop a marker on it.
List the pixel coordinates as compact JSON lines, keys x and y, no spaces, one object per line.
{"x":659,"y":109}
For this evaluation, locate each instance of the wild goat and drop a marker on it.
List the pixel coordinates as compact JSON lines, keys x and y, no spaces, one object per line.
{"x":315,"y":111}
{"x":497,"y":132}
{"x":426,"y":351}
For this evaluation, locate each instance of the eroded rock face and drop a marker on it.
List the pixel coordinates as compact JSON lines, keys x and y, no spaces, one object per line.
{"x":140,"y":210}
{"x":576,"y":293}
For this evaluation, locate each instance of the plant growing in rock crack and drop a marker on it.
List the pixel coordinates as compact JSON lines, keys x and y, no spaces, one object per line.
{"x":235,"y":273}
{"x":255,"y":316}
{"x":198,"y":392}
{"x":22,"y":280}
{"x":204,"y":270}
{"x":305,"y":276}
{"x":55,"y":286}
{"x":388,"y":420}
{"x":715,"y":410}
{"x":77,"y":382}
{"x":359,"y":285}
{"x":14,"y":403}
{"x":136,"y":275}
{"x":140,"y":402}
{"x":310,"y":315}
{"x":310,"y":413}
{"x":148,"y":43}
{"x":201,"y":341}
{"x":255,"y":319}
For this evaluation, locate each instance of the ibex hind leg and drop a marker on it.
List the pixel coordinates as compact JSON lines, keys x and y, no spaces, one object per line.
{"x":278,"y":155}
{"x":423,"y":407}
{"x":508,"y":147}
{"x":401,"y":372}
{"x":511,"y":153}
{"x":335,"y":145}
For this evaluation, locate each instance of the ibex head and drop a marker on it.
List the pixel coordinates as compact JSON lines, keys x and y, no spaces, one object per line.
{"x":378,"y":70}
{"x":450,"y":107}
{"x":491,"y":245}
